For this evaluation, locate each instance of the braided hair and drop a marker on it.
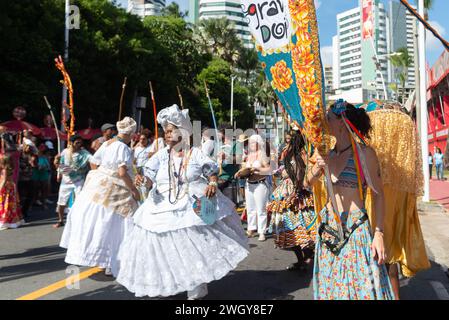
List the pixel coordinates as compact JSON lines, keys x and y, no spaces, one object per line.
{"x":294,"y":164}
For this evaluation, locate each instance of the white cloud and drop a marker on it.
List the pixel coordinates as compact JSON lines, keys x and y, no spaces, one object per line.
{"x":432,"y":43}
{"x":326,"y":55}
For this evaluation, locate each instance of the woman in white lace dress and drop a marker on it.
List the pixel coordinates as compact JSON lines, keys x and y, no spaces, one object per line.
{"x":98,"y":220}
{"x":172,"y":247}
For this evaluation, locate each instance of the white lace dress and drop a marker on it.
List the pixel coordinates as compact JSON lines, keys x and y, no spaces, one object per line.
{"x":97,"y":222}
{"x":170,"y":249}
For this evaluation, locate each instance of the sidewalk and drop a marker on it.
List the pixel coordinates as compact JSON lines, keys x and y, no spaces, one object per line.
{"x":435,"y":227}
{"x":439,"y":192}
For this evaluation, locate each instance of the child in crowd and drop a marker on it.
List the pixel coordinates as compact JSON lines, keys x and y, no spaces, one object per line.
{"x":10,"y":212}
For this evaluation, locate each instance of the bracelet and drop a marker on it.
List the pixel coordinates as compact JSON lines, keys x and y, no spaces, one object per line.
{"x":380,"y":231}
{"x":213,"y":184}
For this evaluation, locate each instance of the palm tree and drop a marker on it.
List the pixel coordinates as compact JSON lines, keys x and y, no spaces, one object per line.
{"x":402,"y":60}
{"x":219,"y":38}
{"x":173,"y":10}
{"x":247,"y":62}
{"x":428,"y":4}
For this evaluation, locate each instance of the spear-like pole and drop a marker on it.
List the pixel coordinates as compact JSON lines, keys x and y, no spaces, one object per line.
{"x":180,"y":98}
{"x":54,"y":123}
{"x":122,"y":96}
{"x":211,"y":110}
{"x":155,"y":116}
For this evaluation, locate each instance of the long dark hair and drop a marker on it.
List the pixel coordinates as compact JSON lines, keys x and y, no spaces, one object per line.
{"x":296,"y":170}
{"x":359,"y":118}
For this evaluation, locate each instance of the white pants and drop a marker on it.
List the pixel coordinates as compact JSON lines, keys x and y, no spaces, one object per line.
{"x":256,"y":202}
{"x":66,"y":189}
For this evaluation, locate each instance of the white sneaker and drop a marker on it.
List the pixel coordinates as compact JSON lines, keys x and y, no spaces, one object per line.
{"x":262,"y":237}
{"x":39,"y":203}
{"x":48,"y":201}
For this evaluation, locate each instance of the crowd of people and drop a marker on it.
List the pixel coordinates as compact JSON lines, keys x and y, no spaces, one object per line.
{"x":159,"y":214}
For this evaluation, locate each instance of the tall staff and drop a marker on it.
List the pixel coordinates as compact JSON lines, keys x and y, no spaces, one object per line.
{"x":122,"y":96}
{"x":180,"y":98}
{"x":54,"y":123}
{"x":156,"y":131}
{"x":67,"y":82}
{"x":211,"y":110}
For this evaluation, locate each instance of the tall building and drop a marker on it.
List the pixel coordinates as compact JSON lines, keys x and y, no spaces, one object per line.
{"x":328,"y":79}
{"x":402,"y":28}
{"x":361,"y":48}
{"x":144,"y":8}
{"x":230,"y":9}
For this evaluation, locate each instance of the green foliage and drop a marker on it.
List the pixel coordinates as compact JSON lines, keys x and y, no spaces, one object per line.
{"x":110,"y":45}
{"x":401,"y":61}
{"x":218,"y":78}
{"x":218,"y":38}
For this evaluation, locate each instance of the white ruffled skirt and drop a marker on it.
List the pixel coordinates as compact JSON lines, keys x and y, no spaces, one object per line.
{"x":93,"y":234}
{"x":167,"y":263}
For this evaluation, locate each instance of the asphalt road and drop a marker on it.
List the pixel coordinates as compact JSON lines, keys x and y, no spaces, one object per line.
{"x":30,"y":259}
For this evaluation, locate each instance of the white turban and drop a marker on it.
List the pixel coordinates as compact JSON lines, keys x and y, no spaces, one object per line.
{"x":127,"y":126}
{"x":257,"y":139}
{"x":173,"y":115}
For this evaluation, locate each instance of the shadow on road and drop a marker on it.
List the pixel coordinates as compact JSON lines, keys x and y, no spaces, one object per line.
{"x":19,"y":271}
{"x":260,"y":285}
{"x":431,"y":284}
{"x":35,"y":252}
{"x":238,"y":285}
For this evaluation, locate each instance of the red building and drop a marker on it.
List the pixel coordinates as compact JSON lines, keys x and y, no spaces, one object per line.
{"x":438,"y":103}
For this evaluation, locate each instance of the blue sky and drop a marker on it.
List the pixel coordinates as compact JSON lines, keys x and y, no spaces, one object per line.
{"x":328,"y":9}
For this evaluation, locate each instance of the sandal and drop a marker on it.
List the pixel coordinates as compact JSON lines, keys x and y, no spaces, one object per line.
{"x":59,"y":224}
{"x":250,"y":234}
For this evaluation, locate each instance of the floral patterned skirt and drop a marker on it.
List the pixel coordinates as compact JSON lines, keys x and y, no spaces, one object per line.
{"x":10,"y":212}
{"x":353,"y":274}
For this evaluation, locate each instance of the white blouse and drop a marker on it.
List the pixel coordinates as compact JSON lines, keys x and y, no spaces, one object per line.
{"x":114,"y":155}
{"x":161,"y":211}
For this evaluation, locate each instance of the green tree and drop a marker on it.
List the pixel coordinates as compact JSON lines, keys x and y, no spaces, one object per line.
{"x":219,"y":38}
{"x":402,"y":61}
{"x":109,"y":45}
{"x":173,"y":10}
{"x":217,"y":75}
{"x":248,"y":62}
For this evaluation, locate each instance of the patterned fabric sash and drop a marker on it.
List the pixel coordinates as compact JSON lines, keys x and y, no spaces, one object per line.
{"x":105,"y":187}
{"x":330,"y":237}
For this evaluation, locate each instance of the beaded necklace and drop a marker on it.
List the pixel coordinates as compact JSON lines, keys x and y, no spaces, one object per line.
{"x":175,"y":179}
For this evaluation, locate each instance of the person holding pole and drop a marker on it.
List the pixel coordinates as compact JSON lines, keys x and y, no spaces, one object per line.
{"x":350,"y":267}
{"x":72,"y":165}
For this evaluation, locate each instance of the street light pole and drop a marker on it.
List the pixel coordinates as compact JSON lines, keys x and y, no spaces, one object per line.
{"x":423,"y":103}
{"x":232,"y":100}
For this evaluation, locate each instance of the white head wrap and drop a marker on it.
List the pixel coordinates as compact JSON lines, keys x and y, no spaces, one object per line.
{"x":173,"y":115}
{"x":257,"y":139}
{"x":127,"y":126}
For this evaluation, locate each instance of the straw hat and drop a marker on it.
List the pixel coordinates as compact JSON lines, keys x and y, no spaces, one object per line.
{"x":242,"y":138}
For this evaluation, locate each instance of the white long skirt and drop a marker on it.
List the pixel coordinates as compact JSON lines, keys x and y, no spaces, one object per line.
{"x":93,"y":235}
{"x":165,"y":264}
